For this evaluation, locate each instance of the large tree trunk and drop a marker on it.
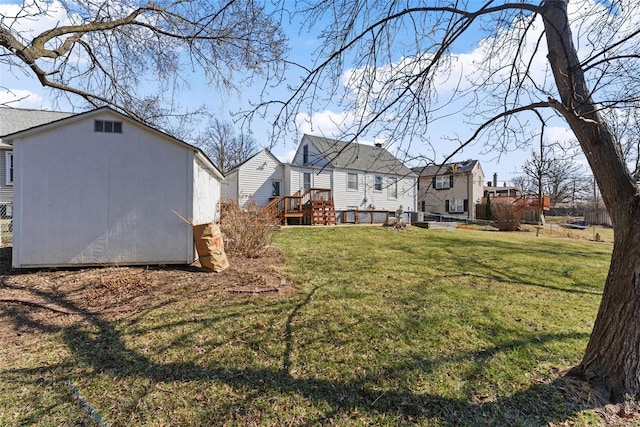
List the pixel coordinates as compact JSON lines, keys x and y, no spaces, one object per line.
{"x":612,"y":358}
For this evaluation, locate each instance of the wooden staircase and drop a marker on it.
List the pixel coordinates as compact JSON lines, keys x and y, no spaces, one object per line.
{"x":314,"y":207}
{"x":320,"y":212}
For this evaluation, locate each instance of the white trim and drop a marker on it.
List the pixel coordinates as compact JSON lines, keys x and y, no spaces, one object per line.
{"x":456,"y":206}
{"x":8,"y":168}
{"x":377,"y":186}
{"x":271,"y":188}
{"x":304,"y":179}
{"x":349,"y":175}
{"x":443,"y":182}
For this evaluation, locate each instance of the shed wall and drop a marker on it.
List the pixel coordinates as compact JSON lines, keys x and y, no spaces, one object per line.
{"x":206,"y":193}
{"x":86,"y":198}
{"x":229,"y":187}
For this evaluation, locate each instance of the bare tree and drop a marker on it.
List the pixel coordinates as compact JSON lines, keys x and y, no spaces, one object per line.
{"x":531,"y":70}
{"x":226,"y":147}
{"x":136,"y":55}
{"x":626,"y":126}
{"x":524,"y":184}
{"x":564,"y":181}
{"x":553,"y":175}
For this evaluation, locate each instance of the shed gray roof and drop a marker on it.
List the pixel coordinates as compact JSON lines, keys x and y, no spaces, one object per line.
{"x":14,"y":120}
{"x":446,"y":169}
{"x":351,"y":155}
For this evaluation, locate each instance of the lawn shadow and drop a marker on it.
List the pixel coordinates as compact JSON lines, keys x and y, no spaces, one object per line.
{"x":97,"y":344}
{"x":106,"y":352}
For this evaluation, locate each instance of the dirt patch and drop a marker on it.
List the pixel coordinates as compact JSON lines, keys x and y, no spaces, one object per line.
{"x":63,"y":297}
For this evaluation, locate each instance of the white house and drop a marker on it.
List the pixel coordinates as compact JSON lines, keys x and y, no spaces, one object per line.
{"x":360,"y":177}
{"x":14,"y":120}
{"x":261,"y":177}
{"x":363,"y":177}
{"x":99,"y":188}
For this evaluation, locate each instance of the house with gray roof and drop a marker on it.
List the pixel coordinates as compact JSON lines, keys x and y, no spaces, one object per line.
{"x":348,"y":179}
{"x":360,"y":176}
{"x":14,"y":120}
{"x":450,"y":190}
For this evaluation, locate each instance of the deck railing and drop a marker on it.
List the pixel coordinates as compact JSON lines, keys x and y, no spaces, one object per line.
{"x":316,"y":194}
{"x":525,"y":201}
{"x":293,"y":206}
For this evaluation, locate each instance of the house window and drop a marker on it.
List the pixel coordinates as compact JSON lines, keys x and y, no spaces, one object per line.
{"x":107,"y":126}
{"x":442,"y":182}
{"x":457,"y":205}
{"x":423,"y":206}
{"x":306,"y":181}
{"x":377,"y":183}
{"x":305,"y":155}
{"x":8,"y":158}
{"x":393,"y":188}
{"x":275,"y":188}
{"x":352,"y":181}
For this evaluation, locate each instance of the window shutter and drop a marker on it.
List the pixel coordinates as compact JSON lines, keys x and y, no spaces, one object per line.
{"x":451,"y":181}
{"x":446,"y":206}
{"x":433,"y":182}
{"x":466,"y":205}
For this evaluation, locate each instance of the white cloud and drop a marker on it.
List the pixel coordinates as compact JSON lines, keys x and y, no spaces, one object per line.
{"x":324,"y":123}
{"x":562,"y":135}
{"x":21,"y":98}
{"x":33,"y":18}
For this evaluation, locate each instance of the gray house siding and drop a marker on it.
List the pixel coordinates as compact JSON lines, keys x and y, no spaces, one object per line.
{"x":6,"y":191}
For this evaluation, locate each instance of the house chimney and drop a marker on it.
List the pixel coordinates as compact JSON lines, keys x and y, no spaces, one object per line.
{"x":495,"y":179}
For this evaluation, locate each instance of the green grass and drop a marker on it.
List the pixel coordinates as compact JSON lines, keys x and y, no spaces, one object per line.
{"x":434,"y":328}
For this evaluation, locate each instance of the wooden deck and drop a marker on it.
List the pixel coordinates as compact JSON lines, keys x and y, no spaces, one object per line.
{"x":314,"y":207}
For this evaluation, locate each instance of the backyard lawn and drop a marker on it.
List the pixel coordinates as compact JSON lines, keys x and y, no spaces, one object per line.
{"x":374,"y":327}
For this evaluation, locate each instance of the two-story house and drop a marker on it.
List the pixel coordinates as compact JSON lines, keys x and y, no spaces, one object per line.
{"x":359,"y":177}
{"x":450,"y":190}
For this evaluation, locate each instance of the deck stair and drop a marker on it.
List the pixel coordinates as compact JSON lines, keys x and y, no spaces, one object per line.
{"x":320,"y":212}
{"x":314,"y":207}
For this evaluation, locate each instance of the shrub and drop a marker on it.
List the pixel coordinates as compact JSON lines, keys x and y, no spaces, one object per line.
{"x":246,"y":231}
{"x":506,"y":216}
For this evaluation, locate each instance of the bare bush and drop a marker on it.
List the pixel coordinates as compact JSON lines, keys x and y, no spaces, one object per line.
{"x":246,"y":231}
{"x":506,"y":216}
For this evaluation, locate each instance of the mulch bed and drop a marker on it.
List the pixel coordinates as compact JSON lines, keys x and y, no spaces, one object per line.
{"x":66,"y":296}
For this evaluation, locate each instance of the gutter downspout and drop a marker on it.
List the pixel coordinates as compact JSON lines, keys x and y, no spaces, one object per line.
{"x":469,"y":201}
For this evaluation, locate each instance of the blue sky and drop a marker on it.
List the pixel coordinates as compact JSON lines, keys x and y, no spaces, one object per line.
{"x":302,"y":46}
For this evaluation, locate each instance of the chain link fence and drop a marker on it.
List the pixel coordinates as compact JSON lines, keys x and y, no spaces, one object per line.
{"x":6,"y":223}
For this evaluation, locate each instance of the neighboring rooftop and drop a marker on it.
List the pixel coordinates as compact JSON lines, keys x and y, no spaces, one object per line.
{"x":465,"y":166}
{"x":18,"y":119}
{"x":351,"y":155}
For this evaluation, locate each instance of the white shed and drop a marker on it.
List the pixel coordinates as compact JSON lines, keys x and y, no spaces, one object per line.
{"x":99,"y":188}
